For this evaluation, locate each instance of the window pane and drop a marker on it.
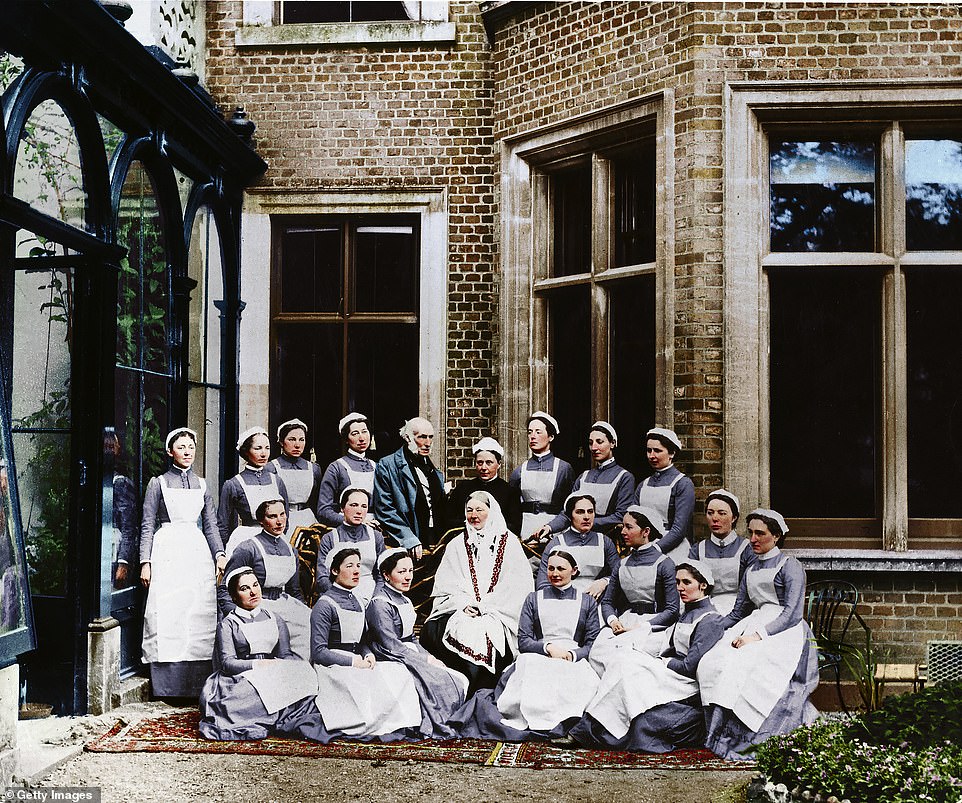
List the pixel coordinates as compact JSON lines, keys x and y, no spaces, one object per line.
{"x":306,"y":382}
{"x":571,"y":208}
{"x":933,"y":195}
{"x":383,"y":377}
{"x":48,"y":173}
{"x":634,"y":182}
{"x":825,"y":392}
{"x":385,"y":268}
{"x":934,"y":351}
{"x":569,"y":333}
{"x":204,"y":324}
{"x":631,"y":368}
{"x":822,"y":196}
{"x":307,"y":11}
{"x":311,"y":268}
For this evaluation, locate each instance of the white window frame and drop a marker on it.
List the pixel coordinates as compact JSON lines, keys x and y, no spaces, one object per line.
{"x":526,"y":256}
{"x":748,"y":108}
{"x":431,"y":204}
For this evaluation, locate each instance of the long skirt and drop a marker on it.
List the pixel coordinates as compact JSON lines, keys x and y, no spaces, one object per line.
{"x":232,"y":710}
{"x":660,"y":729}
{"x":432,"y":639}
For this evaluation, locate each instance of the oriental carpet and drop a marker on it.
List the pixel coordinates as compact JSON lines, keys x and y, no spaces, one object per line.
{"x":177,"y":733}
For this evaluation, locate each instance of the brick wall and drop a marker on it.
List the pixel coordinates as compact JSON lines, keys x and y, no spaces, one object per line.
{"x":554,"y":62}
{"x":378,"y":118}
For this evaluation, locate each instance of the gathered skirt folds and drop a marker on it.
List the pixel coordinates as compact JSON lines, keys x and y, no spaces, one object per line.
{"x":661,"y":729}
{"x":232,"y":708}
{"x":537,"y":698}
{"x":367,"y":704}
{"x":180,"y":615}
{"x":441,"y":692}
{"x":607,"y":646}
{"x":758,"y":690}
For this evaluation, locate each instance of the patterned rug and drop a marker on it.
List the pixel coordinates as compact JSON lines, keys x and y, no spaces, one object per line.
{"x":177,"y":733}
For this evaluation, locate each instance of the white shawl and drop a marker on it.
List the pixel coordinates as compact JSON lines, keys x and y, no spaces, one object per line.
{"x":486,"y":568}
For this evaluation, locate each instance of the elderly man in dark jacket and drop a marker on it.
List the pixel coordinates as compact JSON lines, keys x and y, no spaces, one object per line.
{"x":409,"y":491}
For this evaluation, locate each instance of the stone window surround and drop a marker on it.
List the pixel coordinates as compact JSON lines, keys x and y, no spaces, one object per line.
{"x":748,"y":107}
{"x":259,"y":29}
{"x":430,"y":203}
{"x":526,"y":248}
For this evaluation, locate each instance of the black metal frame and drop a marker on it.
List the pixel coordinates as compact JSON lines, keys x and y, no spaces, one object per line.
{"x":77,"y":55}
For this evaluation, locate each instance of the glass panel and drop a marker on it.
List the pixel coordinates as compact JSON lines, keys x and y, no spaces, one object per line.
{"x":631,"y":368}
{"x":385,"y":269}
{"x":13,"y":604}
{"x":933,"y":195}
{"x":42,"y":328}
{"x":204,"y":324}
{"x":934,"y":377}
{"x":825,"y":392}
{"x":311,"y":269}
{"x":569,"y":338}
{"x":143,"y":300}
{"x":822,"y":196}
{"x":634,"y":184}
{"x":383,"y":377}
{"x":306,"y":11}
{"x":11,"y":68}
{"x":48,"y":173}
{"x":571,"y":226}
{"x":113,"y":136}
{"x":306,"y":382}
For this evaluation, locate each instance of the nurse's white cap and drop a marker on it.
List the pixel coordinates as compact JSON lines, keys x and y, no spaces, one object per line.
{"x":350,"y":418}
{"x":247,"y":433}
{"x":653,"y":516}
{"x":548,"y":418}
{"x":771,"y":514}
{"x":667,"y":434}
{"x":605,"y":427}
{"x":489,"y":445}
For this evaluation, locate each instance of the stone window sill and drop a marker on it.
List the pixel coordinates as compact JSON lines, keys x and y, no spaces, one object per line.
{"x":878,"y":560}
{"x":347,"y":34}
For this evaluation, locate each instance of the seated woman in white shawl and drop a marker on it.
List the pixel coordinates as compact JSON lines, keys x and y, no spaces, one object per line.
{"x":479,"y":588}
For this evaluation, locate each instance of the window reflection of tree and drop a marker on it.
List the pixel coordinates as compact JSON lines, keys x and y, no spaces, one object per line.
{"x":933,"y":195}
{"x":822,"y":196}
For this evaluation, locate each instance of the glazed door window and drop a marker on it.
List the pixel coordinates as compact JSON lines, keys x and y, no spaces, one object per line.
{"x":345,"y":324}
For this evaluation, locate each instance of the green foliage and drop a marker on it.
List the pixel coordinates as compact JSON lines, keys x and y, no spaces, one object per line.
{"x":909,"y":751}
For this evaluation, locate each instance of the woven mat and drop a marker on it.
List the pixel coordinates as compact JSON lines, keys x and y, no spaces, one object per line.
{"x":177,"y":733}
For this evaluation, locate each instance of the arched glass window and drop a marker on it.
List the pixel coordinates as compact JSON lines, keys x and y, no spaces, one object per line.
{"x":48,"y":174}
{"x":205,"y":388}
{"x":143,"y":369}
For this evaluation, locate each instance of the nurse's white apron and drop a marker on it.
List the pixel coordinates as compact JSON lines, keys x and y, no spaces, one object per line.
{"x":278,"y":570}
{"x":636,"y":682}
{"x":255,"y":495}
{"x":660,"y":499}
{"x":750,"y":680}
{"x":282,"y":682}
{"x":543,"y":692}
{"x":180,"y":616}
{"x":537,"y":486}
{"x":590,"y":559}
{"x":365,"y":702}
{"x":299,"y":485}
{"x":358,"y":479}
{"x":368,"y":549}
{"x":725,"y":571}
{"x":638,"y":586}
{"x":601,"y":492}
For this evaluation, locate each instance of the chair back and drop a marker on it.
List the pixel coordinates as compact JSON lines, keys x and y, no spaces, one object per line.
{"x":830,"y":608}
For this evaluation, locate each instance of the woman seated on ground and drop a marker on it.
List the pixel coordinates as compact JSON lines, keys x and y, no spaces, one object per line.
{"x":725,"y":552}
{"x":353,"y":531}
{"x":595,"y":553}
{"x":651,"y":704}
{"x":479,"y":588}
{"x":545,"y":691}
{"x":275,"y":564}
{"x":641,"y":601}
{"x":755,"y":683}
{"x":259,"y":687}
{"x":390,"y":625}
{"x":358,"y":696}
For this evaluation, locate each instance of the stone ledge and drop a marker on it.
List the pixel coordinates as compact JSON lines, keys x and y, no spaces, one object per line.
{"x":131,"y":690}
{"x":347,"y":34}
{"x":879,"y":560}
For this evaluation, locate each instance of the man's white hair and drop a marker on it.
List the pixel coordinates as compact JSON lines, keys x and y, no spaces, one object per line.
{"x":414,"y":427}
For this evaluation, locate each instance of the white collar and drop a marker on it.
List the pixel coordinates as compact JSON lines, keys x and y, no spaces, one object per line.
{"x":562,"y":588}
{"x":645,"y":547}
{"x":249,"y":467}
{"x":343,"y":588}
{"x":607,"y":462}
{"x":358,"y":455}
{"x":774,"y":552}
{"x":728,"y":539}
{"x":243,"y":613}
{"x":542,"y":455}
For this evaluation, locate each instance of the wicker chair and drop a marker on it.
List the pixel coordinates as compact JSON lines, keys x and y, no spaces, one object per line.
{"x":831,"y":609}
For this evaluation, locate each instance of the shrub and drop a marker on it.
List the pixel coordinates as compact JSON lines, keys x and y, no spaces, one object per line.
{"x":927,"y":718}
